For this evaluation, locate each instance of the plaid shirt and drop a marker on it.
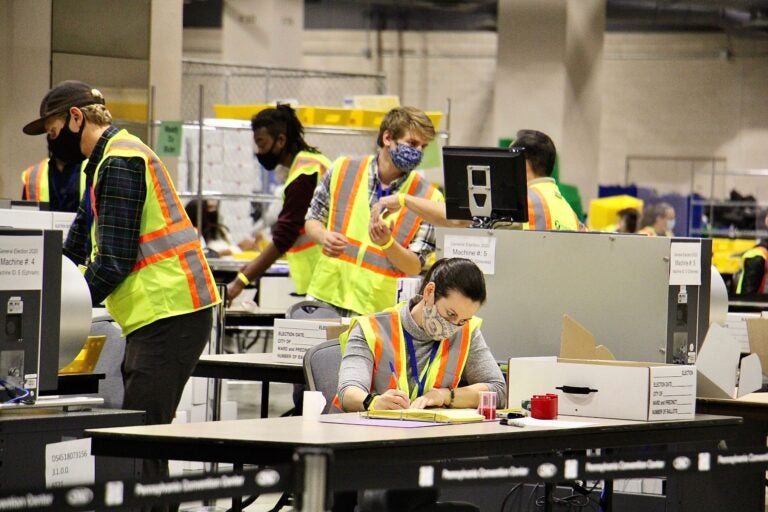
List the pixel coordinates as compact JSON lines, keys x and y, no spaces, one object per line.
{"x":120,"y":193}
{"x":423,"y":242}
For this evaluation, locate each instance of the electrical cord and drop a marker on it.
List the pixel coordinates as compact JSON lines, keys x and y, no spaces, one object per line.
{"x":16,"y":394}
{"x":509,"y":496}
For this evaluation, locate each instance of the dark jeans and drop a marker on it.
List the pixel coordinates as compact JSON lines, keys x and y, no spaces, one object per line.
{"x":159,"y":358}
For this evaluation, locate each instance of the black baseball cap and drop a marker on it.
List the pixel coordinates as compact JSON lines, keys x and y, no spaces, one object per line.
{"x":69,"y":93}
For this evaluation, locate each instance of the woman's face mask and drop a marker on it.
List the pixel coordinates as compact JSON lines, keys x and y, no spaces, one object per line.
{"x":66,"y":145}
{"x":406,"y":157}
{"x":670,"y":224}
{"x":436,"y":325}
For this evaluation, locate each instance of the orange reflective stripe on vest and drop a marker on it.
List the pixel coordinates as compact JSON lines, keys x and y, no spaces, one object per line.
{"x":407,"y":225}
{"x":404,"y":230}
{"x":454,"y":359}
{"x":303,"y":242}
{"x":347,"y":187}
{"x":169,"y":202}
{"x":538,"y":211}
{"x":374,"y":259}
{"x":33,"y":182}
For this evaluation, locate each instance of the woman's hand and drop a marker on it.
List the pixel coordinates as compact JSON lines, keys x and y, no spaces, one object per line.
{"x":432,"y":398}
{"x":392,"y":399}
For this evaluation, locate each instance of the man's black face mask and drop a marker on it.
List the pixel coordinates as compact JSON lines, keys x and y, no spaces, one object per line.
{"x":66,"y":146}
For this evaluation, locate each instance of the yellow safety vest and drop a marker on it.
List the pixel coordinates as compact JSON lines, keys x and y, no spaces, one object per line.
{"x":547,"y":208}
{"x":384,"y":333}
{"x":650,"y":231}
{"x":35,"y":180}
{"x":755,"y":252}
{"x":171,"y":276}
{"x":362,"y":279}
{"x":304,"y":253}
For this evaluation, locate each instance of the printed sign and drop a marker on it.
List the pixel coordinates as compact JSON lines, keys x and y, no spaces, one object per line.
{"x":21,"y":262}
{"x":685,"y":263}
{"x":69,"y":463}
{"x":480,"y":249}
{"x":169,"y":139}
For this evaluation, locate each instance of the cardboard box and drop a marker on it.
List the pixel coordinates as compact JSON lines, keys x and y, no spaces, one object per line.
{"x":293,"y":337}
{"x":589,"y":382}
{"x":614,"y":389}
{"x":722,"y":371}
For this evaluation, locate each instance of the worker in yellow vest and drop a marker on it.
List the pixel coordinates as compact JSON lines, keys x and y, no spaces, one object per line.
{"x":138,"y":249}
{"x":754,"y":267}
{"x":279,"y":136}
{"x":547,"y":208}
{"x":414,"y":354}
{"x":56,"y":182}
{"x":658,"y":220}
{"x":364,"y":254}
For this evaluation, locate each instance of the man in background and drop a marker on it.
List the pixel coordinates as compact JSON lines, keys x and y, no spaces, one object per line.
{"x":279,"y":136}
{"x":547,"y":208}
{"x":55,"y":181}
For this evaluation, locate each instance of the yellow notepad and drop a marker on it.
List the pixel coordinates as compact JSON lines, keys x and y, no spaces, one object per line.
{"x":434,"y":415}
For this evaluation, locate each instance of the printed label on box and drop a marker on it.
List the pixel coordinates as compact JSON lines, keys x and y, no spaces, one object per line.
{"x":293,"y":337}
{"x":673,"y":392}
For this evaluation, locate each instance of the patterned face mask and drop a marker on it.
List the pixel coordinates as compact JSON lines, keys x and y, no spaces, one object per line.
{"x":406,"y":157}
{"x":437,"y":326}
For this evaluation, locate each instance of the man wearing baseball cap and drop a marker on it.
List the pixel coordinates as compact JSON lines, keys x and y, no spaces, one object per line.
{"x":140,"y":253}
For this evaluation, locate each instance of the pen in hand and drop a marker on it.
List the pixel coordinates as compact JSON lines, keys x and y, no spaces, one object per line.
{"x":394,"y":374}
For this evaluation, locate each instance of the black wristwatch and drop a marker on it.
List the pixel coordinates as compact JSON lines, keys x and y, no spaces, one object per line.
{"x":367,"y":401}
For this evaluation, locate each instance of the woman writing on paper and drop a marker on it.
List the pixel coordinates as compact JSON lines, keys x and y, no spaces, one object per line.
{"x":415,"y":354}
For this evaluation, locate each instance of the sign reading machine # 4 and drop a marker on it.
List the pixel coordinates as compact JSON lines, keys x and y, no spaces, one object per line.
{"x":293,"y":337}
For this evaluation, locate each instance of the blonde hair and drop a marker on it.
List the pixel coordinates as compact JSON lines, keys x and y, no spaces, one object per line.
{"x":402,"y":119}
{"x":97,"y":114}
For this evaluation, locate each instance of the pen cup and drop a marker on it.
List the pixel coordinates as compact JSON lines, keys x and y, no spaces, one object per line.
{"x":487,"y":405}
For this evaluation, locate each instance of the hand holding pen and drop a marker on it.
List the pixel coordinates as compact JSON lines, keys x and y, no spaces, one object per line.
{"x":393,"y":398}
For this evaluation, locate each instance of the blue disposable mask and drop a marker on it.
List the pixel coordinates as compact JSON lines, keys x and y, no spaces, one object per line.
{"x":670,"y":224}
{"x":406,"y":157}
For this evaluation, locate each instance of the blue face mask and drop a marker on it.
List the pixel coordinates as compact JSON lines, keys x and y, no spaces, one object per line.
{"x":670,"y":224}
{"x":405,"y":157}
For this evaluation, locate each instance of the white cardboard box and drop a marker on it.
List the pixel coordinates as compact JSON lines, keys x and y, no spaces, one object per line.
{"x":623,"y":389}
{"x":293,"y":337}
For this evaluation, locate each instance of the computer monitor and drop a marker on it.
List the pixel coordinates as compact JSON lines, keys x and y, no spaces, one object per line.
{"x":486,"y":183}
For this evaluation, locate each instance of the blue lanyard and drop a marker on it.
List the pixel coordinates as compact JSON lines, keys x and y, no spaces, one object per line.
{"x":89,"y":215}
{"x":414,"y":367}
{"x":380,"y":192}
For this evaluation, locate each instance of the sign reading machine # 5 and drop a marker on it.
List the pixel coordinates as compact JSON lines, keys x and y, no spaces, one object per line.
{"x":21,"y":262}
{"x":685,"y":263}
{"x":480,"y":249}
{"x":294,"y":337}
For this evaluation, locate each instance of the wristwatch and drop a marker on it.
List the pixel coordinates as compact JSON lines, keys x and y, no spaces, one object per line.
{"x":367,"y":401}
